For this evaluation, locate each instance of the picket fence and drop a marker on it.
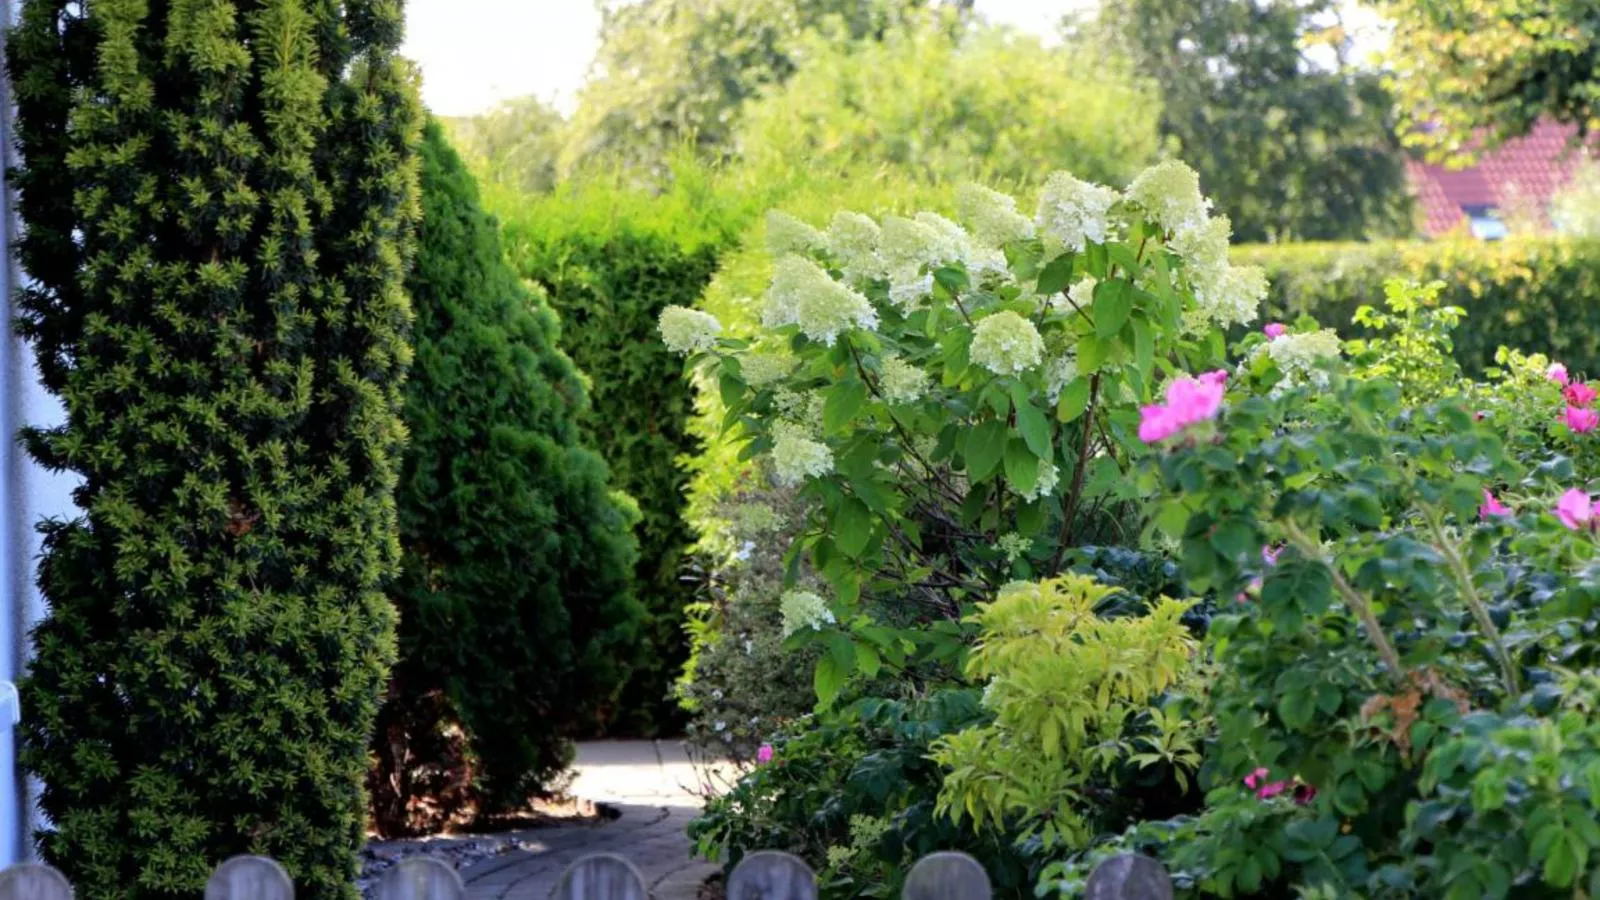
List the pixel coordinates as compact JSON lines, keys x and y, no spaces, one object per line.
{"x":768,"y":875}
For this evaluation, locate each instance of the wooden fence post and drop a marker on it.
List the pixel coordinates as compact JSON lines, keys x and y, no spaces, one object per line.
{"x":33,"y":881}
{"x":249,"y":878}
{"x":421,"y":878}
{"x":601,"y":876}
{"x":947,"y":876}
{"x":772,"y":875}
{"x":1129,"y":877}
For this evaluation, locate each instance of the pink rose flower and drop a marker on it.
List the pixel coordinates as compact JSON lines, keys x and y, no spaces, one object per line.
{"x":1304,"y":793}
{"x":1275,"y":330}
{"x":1492,"y":506}
{"x":1575,"y":509}
{"x":1580,"y":420}
{"x":1256,"y":778}
{"x":764,"y":754}
{"x":1579,"y":394}
{"x":1268,"y":791}
{"x":1557,"y":373}
{"x":1189,"y":401}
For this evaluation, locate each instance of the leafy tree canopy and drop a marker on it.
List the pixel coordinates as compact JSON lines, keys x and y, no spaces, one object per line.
{"x":1290,"y":140}
{"x":1469,"y":73}
{"x":952,"y":100}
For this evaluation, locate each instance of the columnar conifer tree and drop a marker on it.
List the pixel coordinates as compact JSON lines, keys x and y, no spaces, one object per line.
{"x":218,"y":197}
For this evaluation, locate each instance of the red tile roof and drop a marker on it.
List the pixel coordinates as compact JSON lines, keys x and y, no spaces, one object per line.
{"x":1524,"y":173}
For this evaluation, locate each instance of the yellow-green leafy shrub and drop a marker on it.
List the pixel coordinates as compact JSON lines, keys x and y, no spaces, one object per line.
{"x":1079,"y":700}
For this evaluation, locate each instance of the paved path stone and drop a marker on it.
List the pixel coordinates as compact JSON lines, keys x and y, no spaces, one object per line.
{"x":651,"y":785}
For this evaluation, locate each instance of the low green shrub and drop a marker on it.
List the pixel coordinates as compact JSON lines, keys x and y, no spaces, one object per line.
{"x":1535,"y":294}
{"x":853,"y":792}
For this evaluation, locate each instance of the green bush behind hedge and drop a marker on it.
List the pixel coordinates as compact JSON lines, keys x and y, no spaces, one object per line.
{"x":609,"y":257}
{"x":1535,"y":294}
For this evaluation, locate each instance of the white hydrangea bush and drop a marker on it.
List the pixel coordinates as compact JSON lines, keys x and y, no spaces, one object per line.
{"x":931,"y":386}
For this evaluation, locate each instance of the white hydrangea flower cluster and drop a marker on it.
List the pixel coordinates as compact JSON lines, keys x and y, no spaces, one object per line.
{"x":1300,"y":357}
{"x":903,"y":382}
{"x":1081,"y":294}
{"x":686,"y":330}
{"x":1073,"y":213}
{"x":991,"y":215}
{"x":1013,"y":546}
{"x":786,"y":234}
{"x":795,"y":456}
{"x":1049,"y":477}
{"x":1006,"y":343}
{"x":801,"y":408}
{"x":802,"y":610}
{"x":803,"y":294}
{"x":1224,"y":294}
{"x":763,"y":367}
{"x":852,"y":241}
{"x":1169,"y":193}
{"x":1060,"y":373}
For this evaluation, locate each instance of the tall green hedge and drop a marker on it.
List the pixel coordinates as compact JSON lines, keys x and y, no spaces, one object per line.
{"x":517,"y":614}
{"x":1532,"y":294}
{"x":609,"y":258}
{"x":218,"y":204}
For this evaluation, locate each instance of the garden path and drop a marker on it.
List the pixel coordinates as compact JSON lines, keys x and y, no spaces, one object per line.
{"x":651,"y":784}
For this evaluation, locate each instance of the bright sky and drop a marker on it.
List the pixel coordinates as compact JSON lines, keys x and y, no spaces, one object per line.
{"x":476,"y":53}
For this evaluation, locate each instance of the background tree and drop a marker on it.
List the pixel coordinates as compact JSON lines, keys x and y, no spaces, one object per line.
{"x":516,"y":145}
{"x":936,"y":100}
{"x":516,"y":611}
{"x":674,"y":71}
{"x":218,"y":204}
{"x":1470,"y":73}
{"x":1290,"y":143}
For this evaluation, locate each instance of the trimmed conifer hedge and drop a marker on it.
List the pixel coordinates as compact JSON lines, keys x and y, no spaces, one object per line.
{"x":518,"y":623}
{"x":218,"y":202}
{"x":1535,"y":294}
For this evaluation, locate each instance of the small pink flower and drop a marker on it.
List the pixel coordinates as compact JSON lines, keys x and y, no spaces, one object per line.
{"x":1268,"y":791}
{"x":1196,"y":399}
{"x":1581,"y":420}
{"x":1478,"y":416}
{"x":1492,"y":506}
{"x":1275,"y":330}
{"x":1557,"y":373}
{"x":1270,"y":554}
{"x":764,"y":754}
{"x":1256,"y":778}
{"x":1156,"y":423}
{"x":1579,"y":394}
{"x":1304,"y":793}
{"x":1189,"y":401}
{"x":1575,"y":510}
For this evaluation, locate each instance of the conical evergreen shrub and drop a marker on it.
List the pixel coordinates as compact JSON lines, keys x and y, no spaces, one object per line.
{"x":218,"y":198}
{"x":517,"y":617}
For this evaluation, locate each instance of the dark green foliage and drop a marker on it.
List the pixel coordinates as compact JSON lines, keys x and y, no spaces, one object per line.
{"x":1290,"y":144}
{"x":218,"y":204}
{"x":609,"y":286}
{"x":1533,"y":295}
{"x":515,"y":602}
{"x":869,"y":759}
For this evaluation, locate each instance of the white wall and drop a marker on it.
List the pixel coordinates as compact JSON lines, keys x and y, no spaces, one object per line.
{"x":27,"y":495}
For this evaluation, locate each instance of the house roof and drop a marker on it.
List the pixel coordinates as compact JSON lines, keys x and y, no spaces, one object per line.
{"x":1524,"y":173}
